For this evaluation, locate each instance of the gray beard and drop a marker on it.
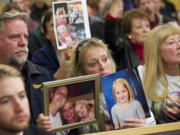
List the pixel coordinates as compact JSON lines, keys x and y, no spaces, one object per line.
{"x":17,"y":62}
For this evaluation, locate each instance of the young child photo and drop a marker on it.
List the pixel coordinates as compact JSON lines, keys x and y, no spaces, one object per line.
{"x":127,"y":106}
{"x":124,"y":97}
{"x":84,"y":110}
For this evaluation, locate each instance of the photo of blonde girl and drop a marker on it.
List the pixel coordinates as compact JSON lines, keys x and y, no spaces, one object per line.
{"x":126,"y":106}
{"x":84,"y":110}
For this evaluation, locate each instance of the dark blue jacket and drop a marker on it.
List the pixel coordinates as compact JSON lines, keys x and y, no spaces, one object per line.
{"x":46,"y":57}
{"x":34,"y":76}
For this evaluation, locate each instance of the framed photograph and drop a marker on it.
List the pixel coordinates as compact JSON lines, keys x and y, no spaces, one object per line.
{"x":71,"y":23}
{"x":124,"y":96}
{"x":73,"y":102}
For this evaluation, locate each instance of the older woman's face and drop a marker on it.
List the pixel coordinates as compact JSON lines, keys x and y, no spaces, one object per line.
{"x":139,"y":30}
{"x":170,"y":50}
{"x":96,"y":61}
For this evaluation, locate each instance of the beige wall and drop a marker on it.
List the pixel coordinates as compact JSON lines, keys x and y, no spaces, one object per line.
{"x":176,"y":3}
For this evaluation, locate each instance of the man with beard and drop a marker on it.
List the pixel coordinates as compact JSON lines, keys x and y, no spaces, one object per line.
{"x":14,"y":52}
{"x":14,"y":106}
{"x":155,"y":18}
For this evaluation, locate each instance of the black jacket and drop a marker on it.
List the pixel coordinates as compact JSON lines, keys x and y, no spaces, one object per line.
{"x":34,"y":76}
{"x":122,"y":51}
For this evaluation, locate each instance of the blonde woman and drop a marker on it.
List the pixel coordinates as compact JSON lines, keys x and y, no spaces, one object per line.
{"x":161,"y":74}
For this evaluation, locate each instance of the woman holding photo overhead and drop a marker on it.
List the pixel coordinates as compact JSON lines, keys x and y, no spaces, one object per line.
{"x":126,"y":106}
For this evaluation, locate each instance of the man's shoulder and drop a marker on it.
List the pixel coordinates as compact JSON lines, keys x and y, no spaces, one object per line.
{"x":33,"y":130}
{"x":34,"y":68}
{"x":38,"y":71}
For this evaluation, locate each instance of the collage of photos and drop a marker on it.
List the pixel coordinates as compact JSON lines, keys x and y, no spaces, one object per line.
{"x":71,"y":104}
{"x":124,"y":97}
{"x":71,"y":22}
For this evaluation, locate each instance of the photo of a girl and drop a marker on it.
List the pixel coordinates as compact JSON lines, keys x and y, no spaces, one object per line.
{"x":125,"y":97}
{"x":127,"y":106}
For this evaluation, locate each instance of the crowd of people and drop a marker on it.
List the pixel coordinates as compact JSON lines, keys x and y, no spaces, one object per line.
{"x":138,"y":33}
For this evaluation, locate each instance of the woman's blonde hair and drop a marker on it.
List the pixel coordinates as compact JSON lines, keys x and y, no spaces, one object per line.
{"x":77,"y":58}
{"x":122,"y":82}
{"x":154,"y":71}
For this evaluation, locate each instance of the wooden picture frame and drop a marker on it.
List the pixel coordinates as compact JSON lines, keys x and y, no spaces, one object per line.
{"x":79,"y":91}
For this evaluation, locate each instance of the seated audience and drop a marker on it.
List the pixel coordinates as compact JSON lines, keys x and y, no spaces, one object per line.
{"x":19,"y":3}
{"x":125,"y":35}
{"x":11,"y":7}
{"x":14,"y":52}
{"x":155,"y":18}
{"x":36,"y":40}
{"x":161,"y":73}
{"x":38,"y":8}
{"x":24,"y":5}
{"x":96,"y":22}
{"x":177,"y":16}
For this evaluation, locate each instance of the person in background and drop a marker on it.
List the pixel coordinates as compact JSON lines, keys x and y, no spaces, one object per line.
{"x":95,"y":21}
{"x":14,"y":52}
{"x":31,"y":24}
{"x":149,"y":7}
{"x":27,"y":5}
{"x":169,"y":6}
{"x":160,"y":9}
{"x":14,"y":105}
{"x":136,"y":26}
{"x":125,"y":35}
{"x":49,"y":56}
{"x":19,"y":3}
{"x":103,"y":6}
{"x":38,"y":8}
{"x":11,"y":7}
{"x":37,"y":38}
{"x":161,"y":73}
{"x":128,"y":5}
{"x":177,"y":16}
